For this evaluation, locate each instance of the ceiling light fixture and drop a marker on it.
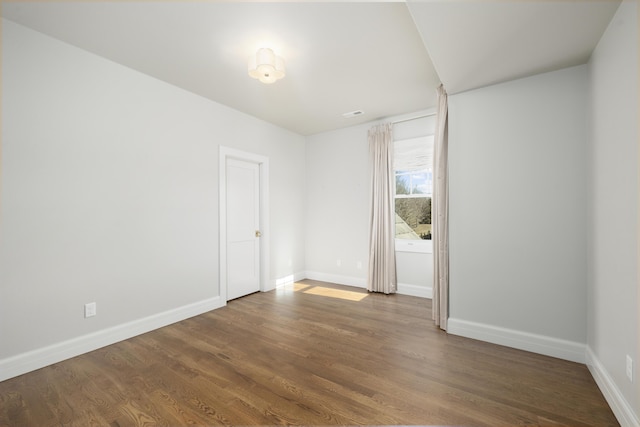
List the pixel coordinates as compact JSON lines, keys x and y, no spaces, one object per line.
{"x":266,"y":66}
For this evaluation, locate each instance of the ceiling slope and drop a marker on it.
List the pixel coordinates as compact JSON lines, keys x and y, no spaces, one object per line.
{"x":479,"y":43}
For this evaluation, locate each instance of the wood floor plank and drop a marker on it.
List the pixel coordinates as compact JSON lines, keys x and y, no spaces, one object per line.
{"x":311,"y":353}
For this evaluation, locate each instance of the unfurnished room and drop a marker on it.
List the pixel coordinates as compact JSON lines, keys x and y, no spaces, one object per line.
{"x":420,"y":212}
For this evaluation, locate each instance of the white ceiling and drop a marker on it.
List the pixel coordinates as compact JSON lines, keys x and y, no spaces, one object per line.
{"x":479,"y":43}
{"x":340,"y":57}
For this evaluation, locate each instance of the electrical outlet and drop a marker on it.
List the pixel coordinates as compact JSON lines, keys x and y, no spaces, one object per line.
{"x":90,"y":309}
{"x":359,"y":265}
{"x":338,"y":262}
{"x":629,"y":368}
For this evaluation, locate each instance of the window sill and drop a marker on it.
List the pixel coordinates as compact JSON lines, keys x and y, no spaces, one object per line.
{"x":416,"y":246}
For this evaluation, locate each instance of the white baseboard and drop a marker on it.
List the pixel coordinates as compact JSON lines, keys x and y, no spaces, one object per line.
{"x":287,"y":280}
{"x":403,"y":289}
{"x":39,"y":358}
{"x":541,"y":344}
{"x":415,"y":290}
{"x":619,"y":405}
{"x":358,"y":282}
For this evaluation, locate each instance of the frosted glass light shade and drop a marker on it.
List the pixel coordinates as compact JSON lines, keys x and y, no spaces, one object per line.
{"x":266,"y":66}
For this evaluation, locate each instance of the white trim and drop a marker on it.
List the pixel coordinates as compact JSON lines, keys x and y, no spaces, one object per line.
{"x":263,"y":162}
{"x":357,"y":282}
{"x":619,"y":405}
{"x":45,"y":356}
{"x":412,"y":245}
{"x":415,"y":290}
{"x":287,"y":280}
{"x":549,"y":346}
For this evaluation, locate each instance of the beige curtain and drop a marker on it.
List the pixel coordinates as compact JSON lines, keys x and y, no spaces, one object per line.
{"x":382,"y":255}
{"x":440,"y":214}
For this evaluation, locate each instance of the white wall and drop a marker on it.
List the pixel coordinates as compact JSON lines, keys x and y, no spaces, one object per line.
{"x":110,"y":194}
{"x":517,"y":213}
{"x":613,"y":206}
{"x":338,"y":186}
{"x":337,"y":219}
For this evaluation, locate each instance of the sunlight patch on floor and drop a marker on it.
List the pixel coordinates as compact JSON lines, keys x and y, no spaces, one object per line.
{"x":300,"y":287}
{"x":336,"y":293}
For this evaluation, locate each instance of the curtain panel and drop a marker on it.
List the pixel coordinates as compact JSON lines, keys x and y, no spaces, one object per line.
{"x":382,"y":255}
{"x":440,"y":213}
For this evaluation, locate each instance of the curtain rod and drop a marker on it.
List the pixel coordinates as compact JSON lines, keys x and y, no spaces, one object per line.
{"x":413,"y":118}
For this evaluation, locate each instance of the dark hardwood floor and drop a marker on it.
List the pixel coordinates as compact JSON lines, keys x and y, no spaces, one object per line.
{"x":312,"y":354}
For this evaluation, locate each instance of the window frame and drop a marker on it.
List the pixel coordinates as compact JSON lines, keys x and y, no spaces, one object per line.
{"x":411,"y":245}
{"x":415,"y":246}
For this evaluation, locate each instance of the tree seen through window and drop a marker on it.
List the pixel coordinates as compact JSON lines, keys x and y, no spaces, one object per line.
{"x":413,"y":204}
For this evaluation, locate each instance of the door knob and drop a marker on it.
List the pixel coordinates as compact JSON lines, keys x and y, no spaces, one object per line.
{"x":258,"y":233}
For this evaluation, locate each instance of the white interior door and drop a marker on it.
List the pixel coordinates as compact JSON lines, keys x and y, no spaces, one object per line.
{"x":243,"y":228}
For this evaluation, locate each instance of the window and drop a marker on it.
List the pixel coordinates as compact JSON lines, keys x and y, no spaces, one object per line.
{"x":413,"y":169}
{"x":413,"y":204}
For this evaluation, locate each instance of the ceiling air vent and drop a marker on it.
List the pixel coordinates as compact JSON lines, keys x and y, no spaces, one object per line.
{"x":353,"y":114}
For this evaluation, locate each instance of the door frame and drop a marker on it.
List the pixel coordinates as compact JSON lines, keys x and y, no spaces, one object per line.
{"x":263,"y":164}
